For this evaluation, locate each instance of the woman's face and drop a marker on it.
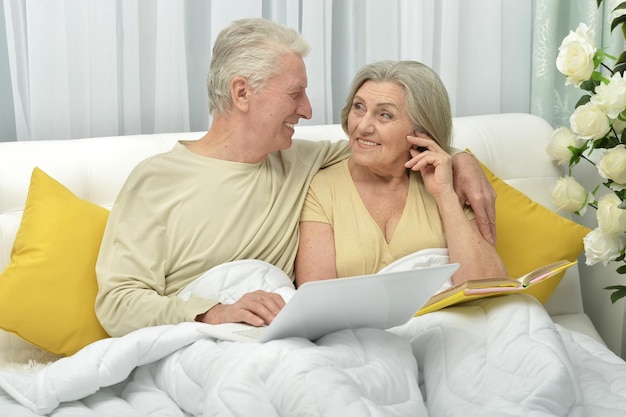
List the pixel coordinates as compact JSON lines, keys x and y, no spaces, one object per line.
{"x":378,"y":124}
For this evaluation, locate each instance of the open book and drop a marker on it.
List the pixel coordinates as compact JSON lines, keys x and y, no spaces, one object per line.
{"x":537,"y":283}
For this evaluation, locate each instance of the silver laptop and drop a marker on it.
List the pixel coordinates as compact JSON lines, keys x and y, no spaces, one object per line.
{"x":317,"y":308}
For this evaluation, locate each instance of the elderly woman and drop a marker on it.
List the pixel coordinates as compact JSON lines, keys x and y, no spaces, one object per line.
{"x":391,"y":198}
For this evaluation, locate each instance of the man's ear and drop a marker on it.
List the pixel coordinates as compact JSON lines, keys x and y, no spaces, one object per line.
{"x":239,"y":92}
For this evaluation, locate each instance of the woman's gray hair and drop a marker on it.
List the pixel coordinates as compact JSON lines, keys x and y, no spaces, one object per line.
{"x":248,"y":48}
{"x":427,"y":100}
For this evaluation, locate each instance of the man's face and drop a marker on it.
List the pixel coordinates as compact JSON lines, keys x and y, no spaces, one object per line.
{"x":278,"y":106}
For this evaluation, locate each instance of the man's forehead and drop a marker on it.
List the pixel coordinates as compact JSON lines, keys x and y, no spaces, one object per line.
{"x":288,"y":82}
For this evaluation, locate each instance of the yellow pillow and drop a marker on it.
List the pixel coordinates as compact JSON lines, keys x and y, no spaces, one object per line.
{"x":529,"y":235}
{"x":48,"y":290}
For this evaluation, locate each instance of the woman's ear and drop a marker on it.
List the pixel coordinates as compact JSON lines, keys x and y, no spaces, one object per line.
{"x":239,"y":91}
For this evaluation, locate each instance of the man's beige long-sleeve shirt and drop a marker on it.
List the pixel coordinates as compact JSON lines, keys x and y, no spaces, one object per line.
{"x":180,"y":214}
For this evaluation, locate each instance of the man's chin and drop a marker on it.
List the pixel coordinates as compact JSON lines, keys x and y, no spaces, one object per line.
{"x":286,"y":144}
{"x":287,"y":134}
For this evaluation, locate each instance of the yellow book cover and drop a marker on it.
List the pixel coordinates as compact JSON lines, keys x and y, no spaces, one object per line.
{"x":540,"y":283}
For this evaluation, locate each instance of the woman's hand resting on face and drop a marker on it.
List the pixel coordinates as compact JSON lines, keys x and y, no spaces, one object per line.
{"x":433,"y":163}
{"x":469,"y":181}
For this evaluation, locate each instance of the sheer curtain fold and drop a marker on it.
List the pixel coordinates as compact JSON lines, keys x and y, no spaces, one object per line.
{"x":81,"y":68}
{"x":170,"y":81}
{"x":129,"y":85}
{"x":317,"y":29}
{"x":17,"y":57}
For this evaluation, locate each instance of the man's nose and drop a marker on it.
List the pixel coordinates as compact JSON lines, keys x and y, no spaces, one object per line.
{"x":304,"y":107}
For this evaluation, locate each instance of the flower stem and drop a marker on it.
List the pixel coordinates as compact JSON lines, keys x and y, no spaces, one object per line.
{"x":588,"y":160}
{"x":607,"y":68}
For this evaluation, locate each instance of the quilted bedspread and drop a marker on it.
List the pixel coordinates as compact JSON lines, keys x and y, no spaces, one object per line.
{"x":501,"y":356}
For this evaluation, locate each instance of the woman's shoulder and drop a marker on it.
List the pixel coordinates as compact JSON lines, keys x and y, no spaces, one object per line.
{"x":339,"y":168}
{"x":332,"y":175}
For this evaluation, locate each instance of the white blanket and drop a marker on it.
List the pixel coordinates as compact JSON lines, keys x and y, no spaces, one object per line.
{"x":498,"y":357}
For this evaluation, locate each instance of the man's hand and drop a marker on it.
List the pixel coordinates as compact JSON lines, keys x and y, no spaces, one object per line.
{"x":256,"y":308}
{"x":474,"y":189}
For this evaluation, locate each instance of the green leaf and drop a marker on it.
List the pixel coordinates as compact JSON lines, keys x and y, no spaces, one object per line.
{"x":583,"y":100}
{"x":615,"y":287}
{"x":606,"y":142}
{"x":622,"y":5}
{"x":598,"y":144}
{"x":576,"y":154}
{"x":589,"y":85}
{"x":617,"y":21}
{"x":618,"y":293}
{"x":601,"y":55}
{"x":597,"y":76}
{"x":603,"y":143}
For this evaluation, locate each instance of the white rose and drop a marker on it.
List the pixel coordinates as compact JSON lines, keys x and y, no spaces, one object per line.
{"x":611,"y":97}
{"x":589,"y":122}
{"x":575,"y":59}
{"x":560,"y":141}
{"x":611,"y":218}
{"x":569,"y":195}
{"x":612,"y":164}
{"x":602,"y":248}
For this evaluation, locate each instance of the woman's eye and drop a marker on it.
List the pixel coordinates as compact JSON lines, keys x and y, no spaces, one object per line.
{"x":358,"y":107}
{"x":386,"y":115}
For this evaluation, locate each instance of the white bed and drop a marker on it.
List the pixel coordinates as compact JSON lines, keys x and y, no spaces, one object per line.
{"x":501,"y":356}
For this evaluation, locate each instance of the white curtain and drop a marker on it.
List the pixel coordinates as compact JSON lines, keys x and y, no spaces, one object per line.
{"x":84,"y":68}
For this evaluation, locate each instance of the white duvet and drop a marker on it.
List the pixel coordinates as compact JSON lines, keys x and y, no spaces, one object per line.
{"x":497,"y":357}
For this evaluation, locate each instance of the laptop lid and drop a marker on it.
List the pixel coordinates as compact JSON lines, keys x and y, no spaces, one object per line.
{"x":381,"y":301}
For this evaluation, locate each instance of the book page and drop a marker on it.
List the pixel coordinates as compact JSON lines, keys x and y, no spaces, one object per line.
{"x":545,"y":271}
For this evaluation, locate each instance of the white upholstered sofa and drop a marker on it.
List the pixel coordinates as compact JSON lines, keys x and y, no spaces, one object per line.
{"x":511,"y":145}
